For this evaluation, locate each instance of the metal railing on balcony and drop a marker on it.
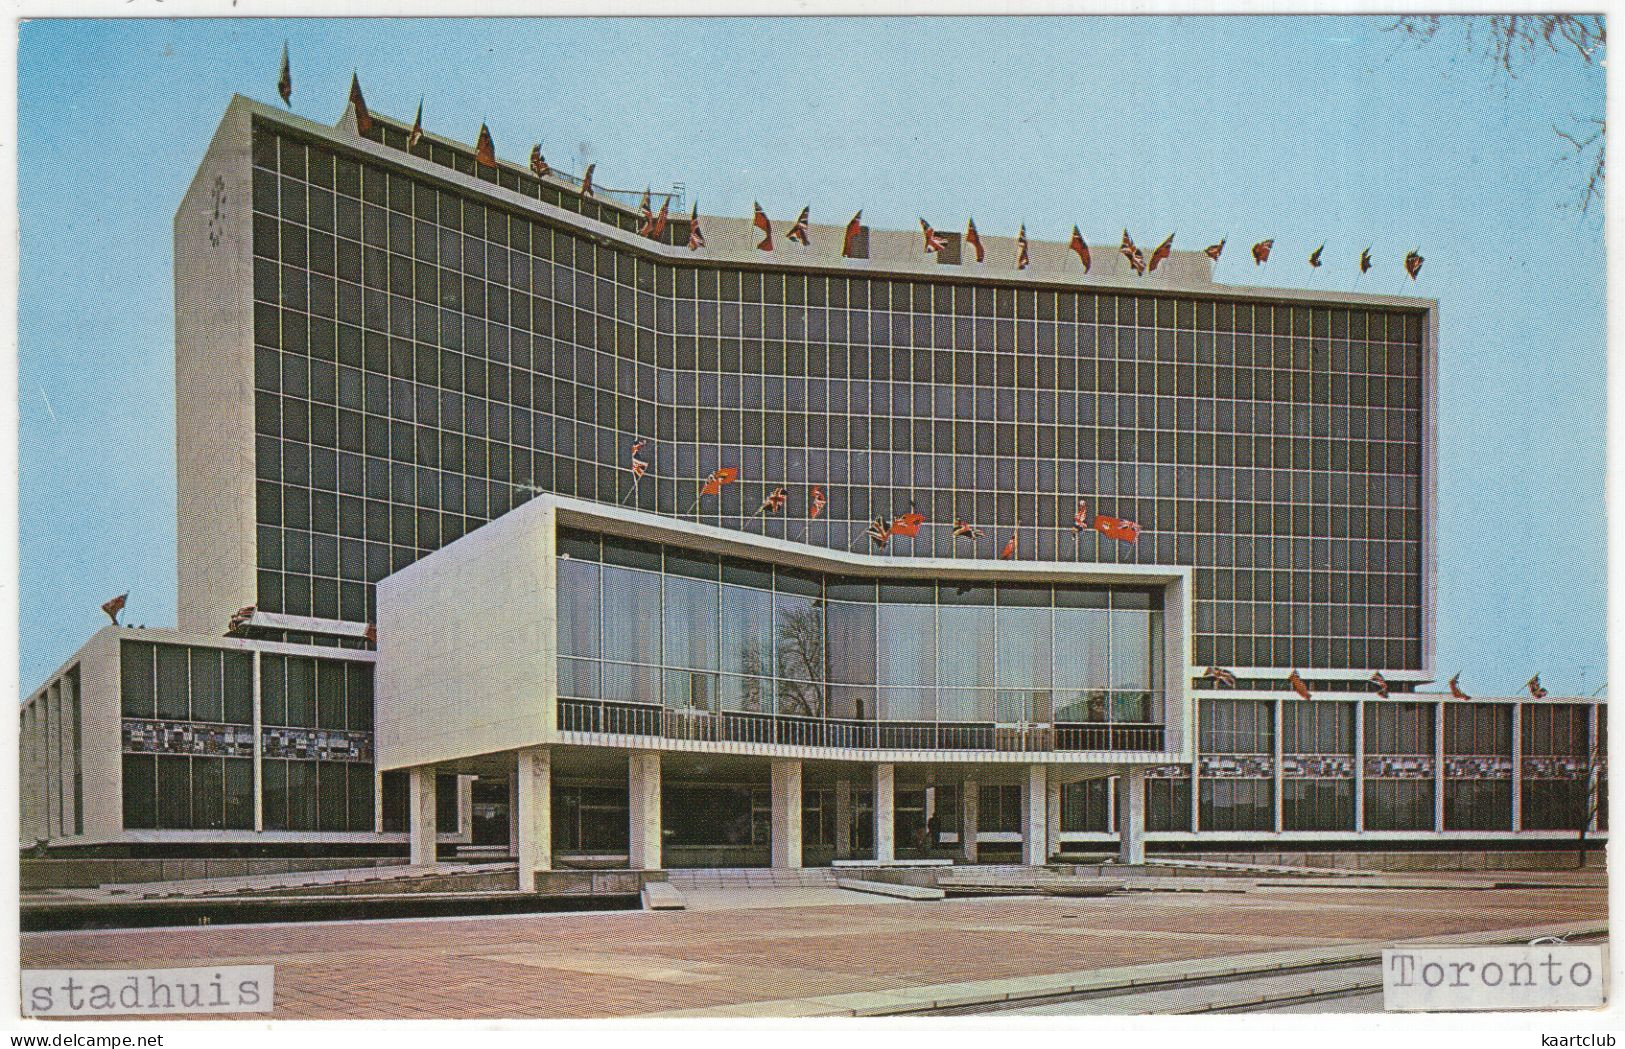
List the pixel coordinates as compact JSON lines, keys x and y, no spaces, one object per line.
{"x":697,"y":725}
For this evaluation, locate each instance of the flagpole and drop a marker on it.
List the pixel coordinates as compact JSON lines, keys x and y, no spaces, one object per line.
{"x":630,"y":490}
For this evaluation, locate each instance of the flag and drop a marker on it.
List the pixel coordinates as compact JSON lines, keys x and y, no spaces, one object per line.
{"x":1213,"y":251}
{"x":853,"y":228}
{"x":974,"y":239}
{"x":663,"y":219}
{"x":363,"y":119}
{"x":1455,"y":689}
{"x":1080,"y":247}
{"x":1534,"y":687}
{"x":966,"y":530}
{"x":1221,"y":675}
{"x":817,"y":504}
{"x":646,"y":213}
{"x":1365,"y":260}
{"x":416,"y":134}
{"x":284,"y":81}
{"x":1413,"y":263}
{"x":1314,"y":257}
{"x":115,"y":606}
{"x":1009,"y":551}
{"x":1117,"y":528}
{"x":774,"y":502}
{"x":1022,"y":261}
{"x":1080,"y":520}
{"x":1261,"y":252}
{"x":538,"y":164}
{"x":371,"y":633}
{"x":639,"y":467}
{"x":800,"y":232}
{"x":878,"y":534}
{"x":908,"y":524}
{"x":761,"y":223}
{"x":485,"y":151}
{"x":696,"y":239}
{"x":1131,"y":252}
{"x":586,"y":181}
{"x":1299,"y":686}
{"x":933,"y":242}
{"x":238,"y":618}
{"x":1165,"y":249}
{"x":1381,"y":683}
{"x":719,"y":477}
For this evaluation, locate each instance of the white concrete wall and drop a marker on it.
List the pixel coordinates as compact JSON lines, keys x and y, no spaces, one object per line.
{"x":214,"y":383}
{"x":467,"y":639}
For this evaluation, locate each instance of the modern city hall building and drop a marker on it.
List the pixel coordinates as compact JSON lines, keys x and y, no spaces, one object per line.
{"x":423,"y":598}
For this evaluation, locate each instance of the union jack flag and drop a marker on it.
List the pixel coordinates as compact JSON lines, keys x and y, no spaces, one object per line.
{"x":966,"y":530}
{"x":933,"y":240}
{"x":774,"y":502}
{"x":1535,"y":689}
{"x":1381,"y":683}
{"x":1080,"y":520}
{"x":818,"y":503}
{"x":878,"y":533}
{"x":638,"y":465}
{"x":760,"y":221}
{"x":115,"y":606}
{"x":801,"y":233}
{"x":1413,"y":263}
{"x":538,"y":166}
{"x":696,"y":239}
{"x":647,"y":213}
{"x":1221,"y":675}
{"x":974,"y":239}
{"x":1131,"y":252}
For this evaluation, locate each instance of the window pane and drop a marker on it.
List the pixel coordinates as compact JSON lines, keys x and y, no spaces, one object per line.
{"x":851,"y":630}
{"x":301,"y":692}
{"x":907,"y":639}
{"x":691,"y":616}
{"x":965,"y":657}
{"x":239,"y":684}
{"x":173,"y":683}
{"x":208,"y":793}
{"x":1023,"y":648}
{"x":174,"y":792}
{"x":329,"y":694}
{"x":136,"y":679}
{"x":578,"y":608}
{"x":140,"y":788}
{"x":631,"y":615}
{"x":207,"y":698}
{"x":239,"y":813}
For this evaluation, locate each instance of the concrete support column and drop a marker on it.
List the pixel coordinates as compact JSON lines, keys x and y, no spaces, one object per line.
{"x":420,"y":813}
{"x":970,"y":801}
{"x":786,"y":813}
{"x":643,"y":797}
{"x":843,"y":819}
{"x":465,"y":809}
{"x":532,"y":794}
{"x":1131,"y":815}
{"x":885,"y":817}
{"x":1052,"y":813}
{"x":1034,"y":823}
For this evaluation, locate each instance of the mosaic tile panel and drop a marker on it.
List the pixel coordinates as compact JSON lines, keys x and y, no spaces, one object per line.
{"x":1245,"y":766}
{"x":154,"y":736}
{"x":1565,"y":768}
{"x":1478,"y":767}
{"x":1399,"y":766}
{"x":320,"y":744}
{"x":1317,"y":766}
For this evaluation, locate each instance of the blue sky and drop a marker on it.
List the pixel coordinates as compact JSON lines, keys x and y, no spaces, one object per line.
{"x":1307,"y":130}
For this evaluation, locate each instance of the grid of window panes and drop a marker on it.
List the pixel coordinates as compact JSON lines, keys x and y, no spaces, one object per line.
{"x":643,"y":623}
{"x":194,"y":684}
{"x":312,"y":793}
{"x":1561,"y":800}
{"x":1404,"y":730}
{"x":1236,"y":727}
{"x":425,"y":360}
{"x":1317,"y":729}
{"x":1483,"y":800}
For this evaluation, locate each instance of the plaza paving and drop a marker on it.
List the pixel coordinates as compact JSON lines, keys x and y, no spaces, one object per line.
{"x":638,"y":963}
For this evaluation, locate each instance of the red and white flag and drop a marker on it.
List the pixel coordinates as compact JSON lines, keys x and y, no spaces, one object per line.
{"x":115,"y":606}
{"x":415,"y":136}
{"x":696,"y":239}
{"x":485,"y":150}
{"x":966,"y":530}
{"x":538,"y":165}
{"x":1221,"y":675}
{"x":1080,"y":520}
{"x":363,"y":119}
{"x":1534,"y":687}
{"x":774,"y":502}
{"x":853,"y":228}
{"x":801,"y":232}
{"x":1413,"y":263}
{"x":1080,"y":247}
{"x":1009,"y":551}
{"x":878,"y":533}
{"x":1117,"y":528}
{"x":933,"y":240}
{"x":1213,"y":251}
{"x":816,"y":506}
{"x":1164,"y":250}
{"x":908,"y":524}
{"x":1381,"y":683}
{"x":1299,"y":685}
{"x":1261,"y":251}
{"x":586,"y":180}
{"x":974,"y":239}
{"x":639,"y":466}
{"x":662,"y":219}
{"x":760,"y":222}
{"x":719,"y":477}
{"x":647,"y":213}
{"x":1023,"y":260}
{"x":1455,"y":689}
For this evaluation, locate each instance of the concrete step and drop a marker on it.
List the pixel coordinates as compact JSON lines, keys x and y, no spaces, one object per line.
{"x":881,"y":888}
{"x":662,"y":896}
